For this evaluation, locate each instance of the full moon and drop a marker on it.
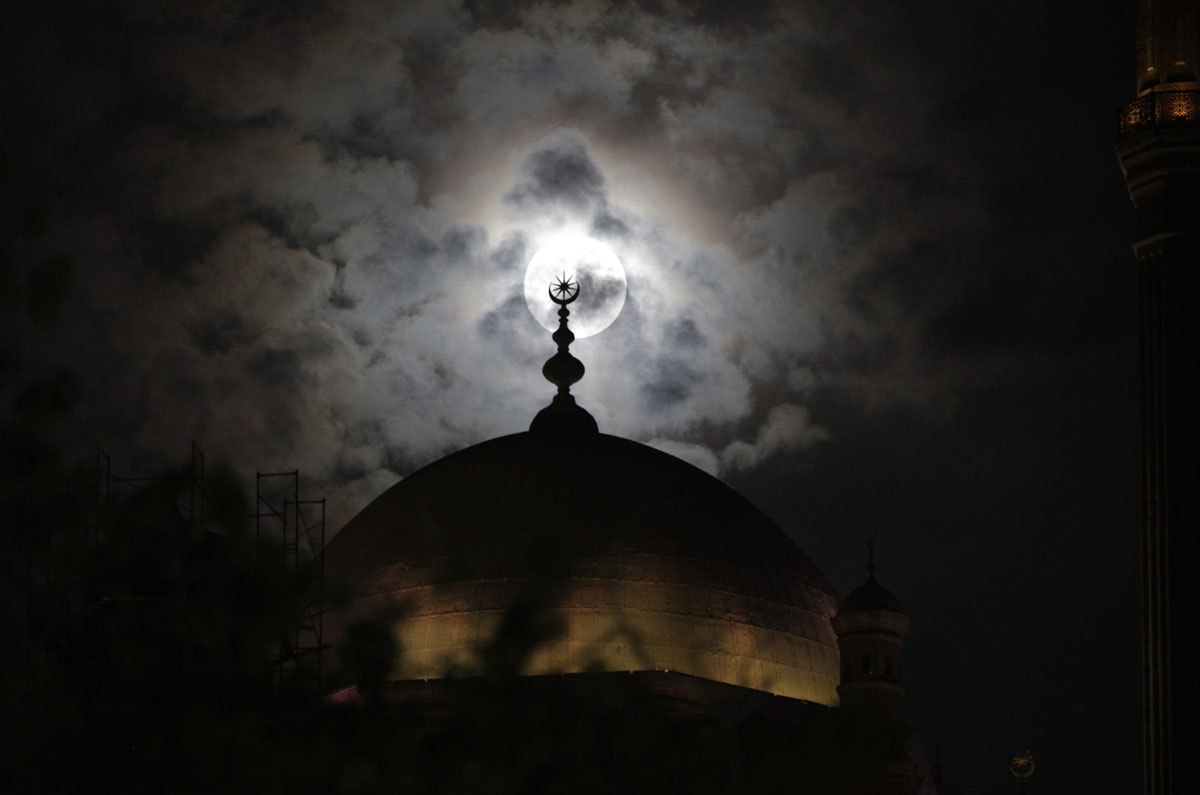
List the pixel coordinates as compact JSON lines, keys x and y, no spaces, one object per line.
{"x":601,"y":283}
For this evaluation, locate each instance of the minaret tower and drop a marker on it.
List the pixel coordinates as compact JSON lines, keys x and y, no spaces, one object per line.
{"x":1159,"y":151}
{"x":871,"y":626}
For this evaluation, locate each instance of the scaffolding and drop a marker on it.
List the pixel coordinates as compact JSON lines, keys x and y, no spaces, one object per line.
{"x":61,"y":528}
{"x":298,"y":525}
{"x":55,"y":550}
{"x":113,"y":489}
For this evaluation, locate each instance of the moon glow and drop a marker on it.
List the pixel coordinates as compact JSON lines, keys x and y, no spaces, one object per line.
{"x":601,"y":280}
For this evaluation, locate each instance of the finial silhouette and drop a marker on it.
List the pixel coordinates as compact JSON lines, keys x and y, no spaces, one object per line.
{"x":1022,"y":767}
{"x":871,"y":560}
{"x":563,"y":291}
{"x":562,"y":369}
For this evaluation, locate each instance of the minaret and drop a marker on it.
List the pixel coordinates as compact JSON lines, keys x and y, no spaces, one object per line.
{"x":870,"y":626}
{"x":1158,"y":147}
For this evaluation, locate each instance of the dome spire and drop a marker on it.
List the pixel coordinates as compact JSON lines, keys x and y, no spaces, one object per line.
{"x":871,"y":561}
{"x":563,"y":415}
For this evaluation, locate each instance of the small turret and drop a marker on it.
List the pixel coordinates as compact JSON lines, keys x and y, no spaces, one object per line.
{"x":871,"y":626}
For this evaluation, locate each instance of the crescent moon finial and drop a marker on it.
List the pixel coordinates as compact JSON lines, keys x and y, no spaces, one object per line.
{"x":1022,"y":767}
{"x":564,"y":290}
{"x":563,"y":415}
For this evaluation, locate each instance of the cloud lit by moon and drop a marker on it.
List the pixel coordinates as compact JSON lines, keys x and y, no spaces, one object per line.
{"x":594,"y":266}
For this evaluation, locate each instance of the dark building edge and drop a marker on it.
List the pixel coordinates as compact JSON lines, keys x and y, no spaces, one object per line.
{"x":1159,"y":152}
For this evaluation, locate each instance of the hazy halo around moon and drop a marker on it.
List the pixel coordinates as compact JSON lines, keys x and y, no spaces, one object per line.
{"x":601,"y":280}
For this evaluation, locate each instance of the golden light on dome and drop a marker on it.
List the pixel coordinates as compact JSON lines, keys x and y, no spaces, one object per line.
{"x":657,"y":566}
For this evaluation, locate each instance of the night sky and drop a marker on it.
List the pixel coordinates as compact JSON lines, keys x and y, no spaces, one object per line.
{"x":879,"y":281}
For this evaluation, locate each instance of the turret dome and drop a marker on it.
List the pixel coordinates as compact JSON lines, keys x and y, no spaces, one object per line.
{"x":871,"y":596}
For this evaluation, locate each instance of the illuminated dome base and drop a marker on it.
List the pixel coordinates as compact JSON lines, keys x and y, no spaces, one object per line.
{"x":638,"y":561}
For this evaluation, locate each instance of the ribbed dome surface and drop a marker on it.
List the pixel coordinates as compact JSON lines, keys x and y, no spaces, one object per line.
{"x":647,"y":563}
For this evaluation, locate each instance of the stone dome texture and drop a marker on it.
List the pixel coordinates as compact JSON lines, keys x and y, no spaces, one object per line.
{"x":638,"y":560}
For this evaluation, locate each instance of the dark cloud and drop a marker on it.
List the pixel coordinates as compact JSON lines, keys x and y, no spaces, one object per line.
{"x":494,"y":13}
{"x":684,"y":334}
{"x":500,"y":323}
{"x":512,"y":253}
{"x":340,"y":299}
{"x":50,"y":281}
{"x":827,"y":69}
{"x":460,"y":243}
{"x":601,"y":291}
{"x":735,"y":17}
{"x":559,"y":170}
{"x":908,"y":280}
{"x":170,"y":247}
{"x":671,"y":382}
{"x":274,"y":368}
{"x":607,"y":225}
{"x":46,"y":396}
{"x":221,"y":332}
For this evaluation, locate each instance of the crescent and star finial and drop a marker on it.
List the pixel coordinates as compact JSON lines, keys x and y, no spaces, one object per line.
{"x":562,"y":369}
{"x":564,"y":290}
{"x":1022,"y":767}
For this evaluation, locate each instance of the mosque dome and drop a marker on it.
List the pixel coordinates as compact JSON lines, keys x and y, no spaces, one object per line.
{"x":640,"y":560}
{"x":607,"y":554}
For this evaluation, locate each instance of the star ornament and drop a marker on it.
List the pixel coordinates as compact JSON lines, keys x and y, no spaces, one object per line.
{"x":564,"y":289}
{"x":1022,"y":765}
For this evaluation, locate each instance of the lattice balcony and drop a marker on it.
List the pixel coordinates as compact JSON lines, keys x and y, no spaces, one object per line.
{"x":1160,"y":109}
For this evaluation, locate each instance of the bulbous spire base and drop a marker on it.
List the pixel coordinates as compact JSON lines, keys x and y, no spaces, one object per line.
{"x":563,"y":370}
{"x":564,"y":417}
